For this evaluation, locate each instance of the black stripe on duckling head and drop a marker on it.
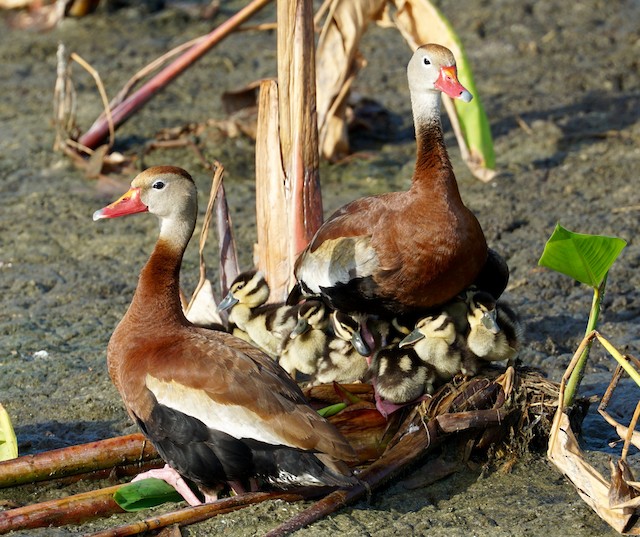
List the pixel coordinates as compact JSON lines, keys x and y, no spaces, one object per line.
{"x":249,"y":288}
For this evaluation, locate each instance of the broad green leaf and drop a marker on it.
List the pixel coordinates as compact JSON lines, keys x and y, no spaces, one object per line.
{"x":425,"y":23}
{"x":586,"y":258}
{"x":8,"y":440}
{"x":144,"y":494}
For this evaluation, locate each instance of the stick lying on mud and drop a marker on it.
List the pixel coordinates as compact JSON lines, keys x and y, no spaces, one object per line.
{"x":81,"y":459}
{"x":70,"y":510}
{"x":100,"y":129}
{"x":191,"y":515}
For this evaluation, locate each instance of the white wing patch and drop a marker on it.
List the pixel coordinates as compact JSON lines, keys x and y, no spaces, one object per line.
{"x":237,"y":421}
{"x":349,"y":258}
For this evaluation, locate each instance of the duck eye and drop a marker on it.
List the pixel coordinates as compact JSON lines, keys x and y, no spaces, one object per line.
{"x":158,"y":185}
{"x":426,"y":61}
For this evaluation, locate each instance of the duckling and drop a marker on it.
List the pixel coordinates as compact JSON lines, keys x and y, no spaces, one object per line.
{"x":495,"y":331}
{"x":367,"y":332}
{"x":308,"y":340}
{"x":437,"y":342}
{"x":350,"y":328}
{"x":400,"y":375}
{"x":341,"y":360}
{"x":265,"y":325}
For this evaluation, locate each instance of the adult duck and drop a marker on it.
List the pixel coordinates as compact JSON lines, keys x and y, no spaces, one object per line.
{"x":402,"y":252}
{"x":217,"y":409}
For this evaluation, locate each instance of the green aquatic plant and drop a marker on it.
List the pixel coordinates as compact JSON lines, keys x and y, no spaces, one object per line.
{"x":587,"y":259}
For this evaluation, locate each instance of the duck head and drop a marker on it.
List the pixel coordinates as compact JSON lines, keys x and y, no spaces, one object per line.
{"x":165,"y":191}
{"x":433,"y":69}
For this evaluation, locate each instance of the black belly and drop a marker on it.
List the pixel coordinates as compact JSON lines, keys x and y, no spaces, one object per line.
{"x":209,"y":457}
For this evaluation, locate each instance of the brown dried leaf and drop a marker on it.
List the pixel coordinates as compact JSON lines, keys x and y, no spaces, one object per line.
{"x":620,"y":492}
{"x":337,"y":64}
{"x":566,"y":454}
{"x":272,"y":248}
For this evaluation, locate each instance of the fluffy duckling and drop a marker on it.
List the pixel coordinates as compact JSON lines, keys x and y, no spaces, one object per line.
{"x":264,"y":325}
{"x":353,"y":328}
{"x":308,"y":340}
{"x":341,"y":360}
{"x":495,"y":331}
{"x":436,"y":341}
{"x":400,"y":375}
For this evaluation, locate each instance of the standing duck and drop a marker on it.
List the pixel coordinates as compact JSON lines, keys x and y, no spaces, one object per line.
{"x":217,"y":409}
{"x":403,"y":252}
{"x":265,"y":325}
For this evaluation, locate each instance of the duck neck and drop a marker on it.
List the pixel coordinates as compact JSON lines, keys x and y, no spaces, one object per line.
{"x":433,"y":167}
{"x":157,"y":297}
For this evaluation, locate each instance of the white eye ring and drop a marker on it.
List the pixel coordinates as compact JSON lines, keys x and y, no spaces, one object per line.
{"x":158,"y":185}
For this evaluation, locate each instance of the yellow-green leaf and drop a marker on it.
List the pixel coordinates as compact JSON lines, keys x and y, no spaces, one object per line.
{"x":332,"y":409}
{"x":8,"y":440}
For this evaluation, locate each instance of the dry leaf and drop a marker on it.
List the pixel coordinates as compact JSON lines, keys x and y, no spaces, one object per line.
{"x":337,"y":64}
{"x":202,"y":310}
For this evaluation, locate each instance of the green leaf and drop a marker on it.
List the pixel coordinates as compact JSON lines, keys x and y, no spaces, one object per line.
{"x":586,"y":258}
{"x":473,"y":119}
{"x":332,"y":409}
{"x":144,"y":494}
{"x":8,"y":440}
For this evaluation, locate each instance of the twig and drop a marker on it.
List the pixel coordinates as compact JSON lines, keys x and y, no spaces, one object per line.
{"x":191,"y":515}
{"x":216,"y":182}
{"x":76,"y":459}
{"x":96,"y":133}
{"x":103,"y":95}
{"x":229,"y":267}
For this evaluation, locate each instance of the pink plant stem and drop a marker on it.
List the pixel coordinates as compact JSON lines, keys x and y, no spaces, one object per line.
{"x":100,"y":129}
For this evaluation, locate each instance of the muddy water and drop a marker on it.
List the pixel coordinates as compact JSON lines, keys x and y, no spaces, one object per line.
{"x":560,"y":84}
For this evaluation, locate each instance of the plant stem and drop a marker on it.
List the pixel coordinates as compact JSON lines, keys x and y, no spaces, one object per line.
{"x":79,"y":459}
{"x":578,"y":373}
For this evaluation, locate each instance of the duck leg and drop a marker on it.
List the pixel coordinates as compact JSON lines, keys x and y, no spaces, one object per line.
{"x":173,"y":478}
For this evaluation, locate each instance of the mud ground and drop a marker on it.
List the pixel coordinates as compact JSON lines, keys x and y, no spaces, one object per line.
{"x":559,"y":81}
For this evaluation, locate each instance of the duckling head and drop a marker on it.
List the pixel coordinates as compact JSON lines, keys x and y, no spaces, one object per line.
{"x":482,"y":312}
{"x":431,"y":327}
{"x":312,"y":314}
{"x":347,"y":328}
{"x":249,"y":288}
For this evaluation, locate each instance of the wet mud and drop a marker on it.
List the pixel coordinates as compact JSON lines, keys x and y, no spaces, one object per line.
{"x":559,"y":81}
